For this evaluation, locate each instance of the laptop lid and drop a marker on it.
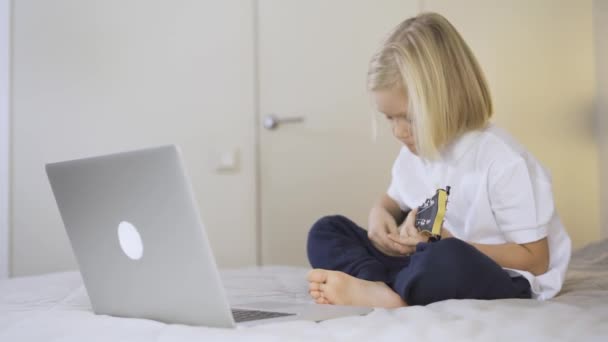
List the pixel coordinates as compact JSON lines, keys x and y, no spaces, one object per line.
{"x":136,"y":232}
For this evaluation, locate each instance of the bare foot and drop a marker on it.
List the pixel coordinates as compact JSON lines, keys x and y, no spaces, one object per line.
{"x":333,"y":287}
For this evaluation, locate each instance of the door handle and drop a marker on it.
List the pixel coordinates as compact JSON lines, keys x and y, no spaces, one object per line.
{"x":271,"y":121}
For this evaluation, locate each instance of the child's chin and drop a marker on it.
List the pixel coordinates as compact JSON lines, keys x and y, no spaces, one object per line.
{"x":412,"y":149}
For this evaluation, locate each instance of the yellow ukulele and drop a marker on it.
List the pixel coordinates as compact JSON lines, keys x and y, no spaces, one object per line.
{"x":430,"y":215}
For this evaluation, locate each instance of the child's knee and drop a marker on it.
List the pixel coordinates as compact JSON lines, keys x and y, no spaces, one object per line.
{"x":319,"y":240}
{"x":326,"y":232}
{"x":453,"y":262}
{"x":445,"y":249}
{"x":444,"y":261}
{"x":326,"y":225}
{"x":453,"y":246}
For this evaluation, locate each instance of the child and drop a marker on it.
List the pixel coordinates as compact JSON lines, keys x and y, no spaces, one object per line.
{"x":501,"y":237}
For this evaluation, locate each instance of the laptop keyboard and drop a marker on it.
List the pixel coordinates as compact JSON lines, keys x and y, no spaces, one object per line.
{"x":241,"y":315}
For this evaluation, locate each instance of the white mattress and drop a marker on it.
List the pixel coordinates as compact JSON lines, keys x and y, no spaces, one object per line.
{"x":55,"y":307}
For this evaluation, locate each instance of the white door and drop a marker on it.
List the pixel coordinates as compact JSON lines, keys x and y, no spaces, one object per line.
{"x":312,"y":62}
{"x":92,"y":77}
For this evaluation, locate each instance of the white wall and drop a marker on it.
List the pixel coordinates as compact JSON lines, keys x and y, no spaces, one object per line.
{"x":600,"y":25}
{"x":538,"y":57}
{"x":93,"y":77}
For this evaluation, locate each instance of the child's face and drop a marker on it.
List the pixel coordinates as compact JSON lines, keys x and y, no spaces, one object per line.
{"x":393,"y":104}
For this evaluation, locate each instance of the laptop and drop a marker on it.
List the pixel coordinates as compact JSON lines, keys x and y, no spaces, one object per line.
{"x":133,"y":223}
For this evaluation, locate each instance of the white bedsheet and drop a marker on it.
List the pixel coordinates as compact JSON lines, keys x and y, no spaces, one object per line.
{"x":55,"y":307}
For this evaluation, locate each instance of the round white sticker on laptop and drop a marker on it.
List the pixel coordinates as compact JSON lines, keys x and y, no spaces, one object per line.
{"x":130,"y":240}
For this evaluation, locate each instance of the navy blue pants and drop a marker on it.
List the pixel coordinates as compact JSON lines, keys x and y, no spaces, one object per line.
{"x":446,"y":269}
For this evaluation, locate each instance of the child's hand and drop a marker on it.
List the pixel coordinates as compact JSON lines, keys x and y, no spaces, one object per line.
{"x":409,"y":236}
{"x":445,"y":233}
{"x":381,"y":226}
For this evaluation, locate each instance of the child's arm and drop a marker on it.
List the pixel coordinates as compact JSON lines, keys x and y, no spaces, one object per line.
{"x":392,"y":208}
{"x":532,"y":257}
{"x":521,"y":197}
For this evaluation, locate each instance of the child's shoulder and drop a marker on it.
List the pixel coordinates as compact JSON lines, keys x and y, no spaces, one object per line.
{"x":498,"y":152}
{"x":491,"y":147}
{"x":500,"y":138}
{"x":496,"y":146}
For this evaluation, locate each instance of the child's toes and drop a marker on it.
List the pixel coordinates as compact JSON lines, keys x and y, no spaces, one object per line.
{"x":317,"y":275}
{"x":321,"y":300}
{"x":315,"y":294}
{"x":312,"y":286}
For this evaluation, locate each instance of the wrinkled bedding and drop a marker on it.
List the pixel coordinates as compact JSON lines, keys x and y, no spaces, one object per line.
{"x":55,"y":307}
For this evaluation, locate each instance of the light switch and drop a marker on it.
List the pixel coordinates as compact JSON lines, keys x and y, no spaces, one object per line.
{"x":228,"y":161}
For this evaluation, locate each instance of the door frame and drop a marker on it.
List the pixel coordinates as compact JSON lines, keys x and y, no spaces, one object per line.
{"x":600,"y":14}
{"x":256,"y":133}
{"x":5,"y":142}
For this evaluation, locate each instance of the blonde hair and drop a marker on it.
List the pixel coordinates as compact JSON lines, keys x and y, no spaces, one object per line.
{"x":446,"y":89}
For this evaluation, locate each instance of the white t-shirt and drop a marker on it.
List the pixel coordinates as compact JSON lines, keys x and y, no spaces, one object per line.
{"x":499,"y":193}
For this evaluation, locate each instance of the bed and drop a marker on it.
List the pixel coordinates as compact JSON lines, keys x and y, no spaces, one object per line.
{"x":55,"y":307}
